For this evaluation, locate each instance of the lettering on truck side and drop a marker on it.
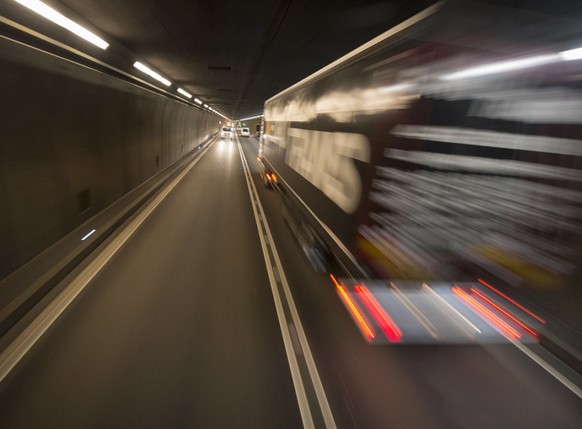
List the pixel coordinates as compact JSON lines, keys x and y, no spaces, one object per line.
{"x":326,"y":160}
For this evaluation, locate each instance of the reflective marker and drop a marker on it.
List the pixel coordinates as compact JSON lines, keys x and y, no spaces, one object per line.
{"x":88,"y":235}
{"x":61,"y":20}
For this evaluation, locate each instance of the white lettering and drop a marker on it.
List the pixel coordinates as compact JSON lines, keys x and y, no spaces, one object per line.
{"x":326,"y":160}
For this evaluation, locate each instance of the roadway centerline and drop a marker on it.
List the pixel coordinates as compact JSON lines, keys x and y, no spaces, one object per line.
{"x":294,"y":339}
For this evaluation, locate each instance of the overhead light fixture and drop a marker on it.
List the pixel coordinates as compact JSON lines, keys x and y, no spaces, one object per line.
{"x":151,"y":73}
{"x":198,"y":101}
{"x":59,"y":19}
{"x":502,"y":66}
{"x":572,"y":54}
{"x":206,"y":105}
{"x":184,"y":93}
{"x":252,"y":117}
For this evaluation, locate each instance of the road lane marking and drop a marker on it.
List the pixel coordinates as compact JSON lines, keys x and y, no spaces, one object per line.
{"x":266,"y":238}
{"x":549,"y":368}
{"x":295,"y":339}
{"x":276,"y":273}
{"x":16,"y":350}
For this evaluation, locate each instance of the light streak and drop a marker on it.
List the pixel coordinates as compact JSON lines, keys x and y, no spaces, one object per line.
{"x":393,"y":333}
{"x":487,"y":314}
{"x":484,"y":283}
{"x":358,"y":316}
{"x":505,"y":312}
{"x":62,"y":21}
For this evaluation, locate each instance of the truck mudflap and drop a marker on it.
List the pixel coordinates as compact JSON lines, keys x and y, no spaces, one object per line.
{"x":405,"y":312}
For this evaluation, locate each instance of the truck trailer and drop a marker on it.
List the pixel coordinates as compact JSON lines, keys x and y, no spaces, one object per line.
{"x":447,"y":149}
{"x":449,"y":143}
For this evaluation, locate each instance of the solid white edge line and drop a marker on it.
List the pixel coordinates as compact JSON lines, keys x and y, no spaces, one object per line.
{"x":550,"y":369}
{"x":18,"y":348}
{"x":319,"y":391}
{"x":316,"y":380}
{"x":302,"y":401}
{"x":541,"y":362}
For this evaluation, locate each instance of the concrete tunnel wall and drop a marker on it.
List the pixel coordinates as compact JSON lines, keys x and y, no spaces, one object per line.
{"x":74,"y":140}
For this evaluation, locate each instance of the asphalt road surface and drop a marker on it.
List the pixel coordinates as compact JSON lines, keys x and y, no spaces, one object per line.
{"x":180,"y":330}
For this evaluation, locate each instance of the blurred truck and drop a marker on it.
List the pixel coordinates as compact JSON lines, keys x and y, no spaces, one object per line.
{"x":448,"y":147}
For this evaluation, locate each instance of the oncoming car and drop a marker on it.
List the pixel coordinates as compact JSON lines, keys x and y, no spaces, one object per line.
{"x":244,"y":132}
{"x":226,"y":133}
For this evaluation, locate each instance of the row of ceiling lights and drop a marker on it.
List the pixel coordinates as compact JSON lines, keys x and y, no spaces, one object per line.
{"x":61,"y":20}
{"x":499,"y":67}
{"x":252,"y":117}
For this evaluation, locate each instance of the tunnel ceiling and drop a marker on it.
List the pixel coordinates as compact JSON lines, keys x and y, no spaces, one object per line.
{"x":236,"y":54}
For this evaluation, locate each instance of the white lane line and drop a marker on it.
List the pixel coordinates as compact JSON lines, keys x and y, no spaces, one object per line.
{"x":553,"y":371}
{"x":283,"y":324}
{"x":302,"y":401}
{"x":10,"y":357}
{"x":295,"y":339}
{"x":276,"y":274}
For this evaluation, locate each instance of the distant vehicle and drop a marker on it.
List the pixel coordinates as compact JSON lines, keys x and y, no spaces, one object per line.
{"x":244,"y":132}
{"x":226,"y":133}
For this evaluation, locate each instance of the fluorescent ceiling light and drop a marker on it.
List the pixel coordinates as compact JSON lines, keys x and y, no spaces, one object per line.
{"x":502,"y":66}
{"x":572,"y":54}
{"x":206,"y":105}
{"x":198,"y":101}
{"x":59,"y":19}
{"x":251,"y":117}
{"x":184,"y":93}
{"x":151,"y":73}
